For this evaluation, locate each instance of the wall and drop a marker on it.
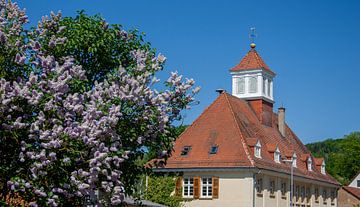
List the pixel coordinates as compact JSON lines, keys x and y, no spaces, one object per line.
{"x":346,"y":199}
{"x":235,"y":189}
{"x":354,"y":181}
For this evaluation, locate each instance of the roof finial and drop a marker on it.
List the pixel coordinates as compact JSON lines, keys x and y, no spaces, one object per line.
{"x":252,"y":37}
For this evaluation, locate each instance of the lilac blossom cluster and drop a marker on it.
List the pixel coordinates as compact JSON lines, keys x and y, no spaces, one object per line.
{"x":66,"y":129}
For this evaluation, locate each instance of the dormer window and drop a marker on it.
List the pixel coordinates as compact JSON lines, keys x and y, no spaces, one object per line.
{"x":258,"y":149}
{"x":185,"y":151}
{"x":309,"y":164}
{"x":213,"y":149}
{"x":277,"y":155}
{"x":323,"y":171}
{"x":294,"y":160}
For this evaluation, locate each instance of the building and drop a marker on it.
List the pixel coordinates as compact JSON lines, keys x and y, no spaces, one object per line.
{"x":238,"y":152}
{"x":349,"y":196}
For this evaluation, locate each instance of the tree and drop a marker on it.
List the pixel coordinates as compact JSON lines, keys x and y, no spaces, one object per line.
{"x":75,"y":119}
{"x":341,"y":155}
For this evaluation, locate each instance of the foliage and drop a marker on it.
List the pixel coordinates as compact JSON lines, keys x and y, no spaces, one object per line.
{"x":342,"y":156}
{"x":76,"y":113}
{"x":161,"y":190}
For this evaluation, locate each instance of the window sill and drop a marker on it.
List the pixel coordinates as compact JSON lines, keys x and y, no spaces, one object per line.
{"x":283,"y":197}
{"x":259,"y":194}
{"x":205,"y":198}
{"x":272,"y":196}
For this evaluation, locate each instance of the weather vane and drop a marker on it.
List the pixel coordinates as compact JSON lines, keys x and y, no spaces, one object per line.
{"x":252,"y":36}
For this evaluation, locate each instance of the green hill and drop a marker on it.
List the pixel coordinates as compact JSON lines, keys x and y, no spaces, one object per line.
{"x":342,"y":156}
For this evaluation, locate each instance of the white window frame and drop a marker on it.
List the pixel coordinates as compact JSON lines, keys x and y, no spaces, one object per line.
{"x":309,"y":164}
{"x":294,"y":160}
{"x":208,"y":186}
{"x":277,"y":155}
{"x":257,"y":150}
{"x":323,"y":169}
{"x":187,"y":186}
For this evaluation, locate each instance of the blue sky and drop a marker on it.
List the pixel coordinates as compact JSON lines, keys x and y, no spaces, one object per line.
{"x":313,"y":46}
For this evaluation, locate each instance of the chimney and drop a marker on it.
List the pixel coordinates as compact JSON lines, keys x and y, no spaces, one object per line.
{"x":263,"y":110}
{"x":281,"y":121}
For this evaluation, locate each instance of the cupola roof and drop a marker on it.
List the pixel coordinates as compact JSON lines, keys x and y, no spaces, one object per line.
{"x":252,"y":61}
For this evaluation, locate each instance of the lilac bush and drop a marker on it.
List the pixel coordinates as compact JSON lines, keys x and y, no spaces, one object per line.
{"x":72,"y":140}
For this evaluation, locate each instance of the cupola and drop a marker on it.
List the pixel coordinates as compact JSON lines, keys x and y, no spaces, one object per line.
{"x":252,"y":80}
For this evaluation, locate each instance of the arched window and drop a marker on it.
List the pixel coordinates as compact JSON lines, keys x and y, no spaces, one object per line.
{"x":264,"y":85}
{"x":240,"y":85}
{"x":253,"y":84}
{"x":269,"y":88}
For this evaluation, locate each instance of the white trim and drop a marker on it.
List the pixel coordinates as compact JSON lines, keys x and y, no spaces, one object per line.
{"x":208,"y":185}
{"x":188,"y":185}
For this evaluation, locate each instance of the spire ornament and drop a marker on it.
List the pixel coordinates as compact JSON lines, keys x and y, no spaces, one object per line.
{"x":252,"y":36}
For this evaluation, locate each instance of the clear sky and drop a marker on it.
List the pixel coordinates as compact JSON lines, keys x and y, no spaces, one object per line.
{"x":313,"y":46}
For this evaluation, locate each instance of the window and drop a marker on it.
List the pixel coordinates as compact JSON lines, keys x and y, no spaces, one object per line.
{"x":188,"y":187}
{"x":358,"y":183}
{"x":240,"y":85}
{"x":294,"y":160}
{"x":253,"y":84}
{"x":259,"y":186}
{"x":302,"y":193}
{"x":323,"y":171}
{"x":213,"y":149}
{"x":309,"y":164}
{"x":277,"y":155}
{"x":185,"y":151}
{"x":264,"y":85}
{"x":272,"y":188}
{"x":206,"y":185}
{"x":269,"y":88}
{"x":297,"y":193}
{"x":333,"y":196}
{"x":317,"y":195}
{"x":324,"y":195}
{"x":258,"y":150}
{"x":283,"y":189}
{"x":308,"y":195}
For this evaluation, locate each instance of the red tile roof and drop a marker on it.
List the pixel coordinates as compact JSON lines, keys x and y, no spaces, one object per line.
{"x":251,"y":61}
{"x":354,"y":191}
{"x":231,"y":124}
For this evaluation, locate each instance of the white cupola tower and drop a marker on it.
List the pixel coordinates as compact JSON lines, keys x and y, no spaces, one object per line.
{"x":252,"y":78}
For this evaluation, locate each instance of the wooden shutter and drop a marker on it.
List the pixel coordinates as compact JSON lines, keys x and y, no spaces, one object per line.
{"x":178,"y":188}
{"x":196,"y":187}
{"x":215,"y":182}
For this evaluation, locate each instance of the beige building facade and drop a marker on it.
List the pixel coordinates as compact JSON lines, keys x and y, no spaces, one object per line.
{"x":250,"y":188}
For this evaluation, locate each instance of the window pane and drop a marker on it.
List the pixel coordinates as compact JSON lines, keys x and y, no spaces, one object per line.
{"x":240,"y":85}
{"x":253,"y":84}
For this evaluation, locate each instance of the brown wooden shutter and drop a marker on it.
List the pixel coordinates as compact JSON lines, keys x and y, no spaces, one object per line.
{"x":215,"y":182}
{"x":196,"y":187}
{"x":178,"y":188}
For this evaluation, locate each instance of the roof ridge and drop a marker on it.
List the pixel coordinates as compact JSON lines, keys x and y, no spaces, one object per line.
{"x":238,"y":128}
